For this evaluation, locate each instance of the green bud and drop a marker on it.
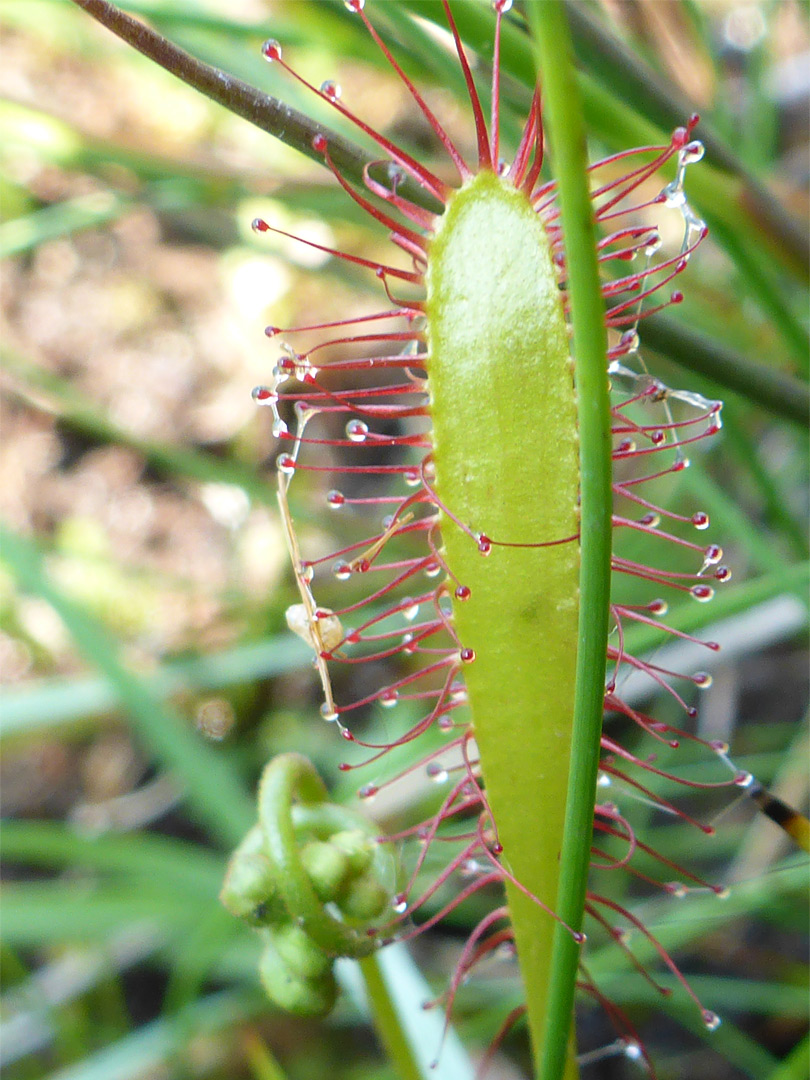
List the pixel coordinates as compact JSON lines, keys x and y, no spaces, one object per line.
{"x":299,"y":952}
{"x":293,"y":992}
{"x":249,"y":890}
{"x":364,"y":899}
{"x":327,"y":868}
{"x":357,"y":846}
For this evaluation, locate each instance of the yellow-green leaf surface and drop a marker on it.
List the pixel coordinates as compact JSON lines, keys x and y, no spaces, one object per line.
{"x":506,"y":457}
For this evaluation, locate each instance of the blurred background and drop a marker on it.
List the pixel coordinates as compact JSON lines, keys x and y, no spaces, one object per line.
{"x":146,"y":667}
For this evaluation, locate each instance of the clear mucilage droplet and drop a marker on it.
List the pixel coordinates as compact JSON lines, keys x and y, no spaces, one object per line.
{"x":271,"y":50}
{"x":331,"y":89}
{"x":711,"y":1020}
{"x":702,"y":593}
{"x":630,"y":340}
{"x":692,"y":152}
{"x":356,"y":431}
{"x":410,"y":611}
{"x":264,"y":395}
{"x":436,"y":772}
{"x":632,"y":1050}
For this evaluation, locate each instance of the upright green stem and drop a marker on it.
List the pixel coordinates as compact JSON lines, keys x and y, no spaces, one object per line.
{"x":566,"y":131}
{"x":387,"y":1021}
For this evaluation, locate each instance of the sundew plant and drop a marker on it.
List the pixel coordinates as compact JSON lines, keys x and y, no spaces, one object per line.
{"x":504,"y":582}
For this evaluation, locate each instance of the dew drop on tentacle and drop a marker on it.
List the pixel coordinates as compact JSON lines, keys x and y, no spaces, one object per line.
{"x":711,"y":1020}
{"x":328,"y":712}
{"x":702,"y":593}
{"x":342,"y":570}
{"x":436,"y":772}
{"x":632,"y":1050}
{"x":335,"y":499}
{"x":271,"y":50}
{"x":356,"y":431}
{"x":630,"y":340}
{"x":331,"y":89}
{"x":411,"y":610}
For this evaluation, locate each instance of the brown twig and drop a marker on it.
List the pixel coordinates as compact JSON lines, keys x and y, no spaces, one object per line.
{"x":268,"y":113}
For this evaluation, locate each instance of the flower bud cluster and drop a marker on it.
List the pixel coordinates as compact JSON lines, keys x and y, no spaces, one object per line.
{"x":340,"y":860}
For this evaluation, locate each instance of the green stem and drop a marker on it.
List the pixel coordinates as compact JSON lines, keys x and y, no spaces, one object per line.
{"x":287,"y":777}
{"x":386,"y":1021}
{"x":566,"y":133}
